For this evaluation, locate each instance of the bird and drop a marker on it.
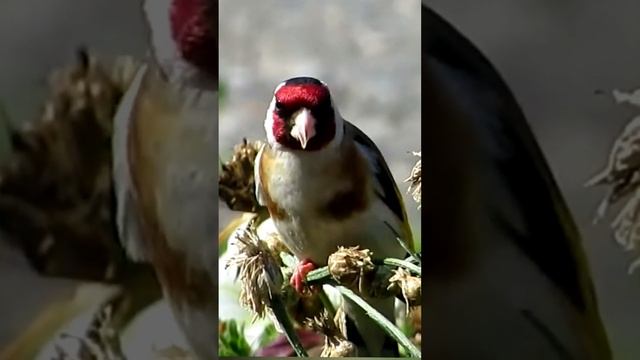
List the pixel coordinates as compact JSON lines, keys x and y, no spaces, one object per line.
{"x":326,"y":184}
{"x":164,"y":163}
{"x":503,"y":261}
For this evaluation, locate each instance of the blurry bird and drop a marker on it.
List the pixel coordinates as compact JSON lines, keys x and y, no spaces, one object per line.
{"x":326,"y":184}
{"x":165,"y":168}
{"x":506,"y":272}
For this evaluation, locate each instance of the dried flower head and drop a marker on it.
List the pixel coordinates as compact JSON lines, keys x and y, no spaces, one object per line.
{"x":335,"y":330}
{"x":257,"y":269}
{"x":622,"y":172}
{"x":236,"y":183}
{"x":349,"y":266}
{"x":415,"y":179}
{"x":55,"y":193}
{"x":622,"y":176}
{"x":410,"y":286}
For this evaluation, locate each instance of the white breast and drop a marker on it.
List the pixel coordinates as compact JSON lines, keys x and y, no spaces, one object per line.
{"x":305,"y":187}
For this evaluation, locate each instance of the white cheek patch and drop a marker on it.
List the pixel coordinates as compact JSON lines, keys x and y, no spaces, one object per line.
{"x":268,"y":122}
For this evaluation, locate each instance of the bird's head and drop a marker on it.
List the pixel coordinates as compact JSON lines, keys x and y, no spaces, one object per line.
{"x":184,"y":33}
{"x":302,"y":116}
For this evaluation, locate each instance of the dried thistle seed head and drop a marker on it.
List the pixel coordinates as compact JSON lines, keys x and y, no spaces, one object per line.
{"x":258,"y":271}
{"x":623,"y":166}
{"x":415,"y":180}
{"x":342,"y":348}
{"x":324,"y":324}
{"x":622,"y":176}
{"x":236,"y":183}
{"x":59,"y":174}
{"x":349,"y":266}
{"x":626,"y":227}
{"x":336,"y":343}
{"x":410,"y":286}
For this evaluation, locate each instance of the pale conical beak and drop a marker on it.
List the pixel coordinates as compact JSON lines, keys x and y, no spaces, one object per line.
{"x":304,"y":127}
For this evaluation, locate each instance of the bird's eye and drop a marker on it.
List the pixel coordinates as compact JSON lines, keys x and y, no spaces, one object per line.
{"x":281,"y":110}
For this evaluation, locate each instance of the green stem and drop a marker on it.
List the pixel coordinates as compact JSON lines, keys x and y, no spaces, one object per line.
{"x":324,"y":298}
{"x":318,"y":275}
{"x":403,"y":263}
{"x":386,"y":325}
{"x":280,"y":312}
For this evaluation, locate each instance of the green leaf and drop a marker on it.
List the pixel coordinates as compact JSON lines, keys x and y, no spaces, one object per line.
{"x":382,"y":321}
{"x":231,"y":341}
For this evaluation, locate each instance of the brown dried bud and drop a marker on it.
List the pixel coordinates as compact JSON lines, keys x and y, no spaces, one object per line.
{"x":258,"y":271}
{"x":341,"y":348}
{"x":410,"y":286}
{"x":57,"y":178}
{"x":336,"y":343}
{"x":236,"y":183}
{"x":622,"y":176}
{"x":349,"y":266}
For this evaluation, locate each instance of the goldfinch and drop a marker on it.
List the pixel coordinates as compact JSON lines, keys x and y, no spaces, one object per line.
{"x":165,"y":168}
{"x":326,"y":184}
{"x":503,"y":261}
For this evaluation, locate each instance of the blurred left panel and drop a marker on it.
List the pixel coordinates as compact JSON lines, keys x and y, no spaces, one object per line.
{"x":108,"y":179}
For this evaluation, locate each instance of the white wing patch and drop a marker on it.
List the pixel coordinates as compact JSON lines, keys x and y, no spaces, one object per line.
{"x":126,"y":217}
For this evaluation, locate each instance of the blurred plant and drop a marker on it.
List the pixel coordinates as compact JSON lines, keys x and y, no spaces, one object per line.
{"x":232,"y":341}
{"x":56,"y":201}
{"x":55,"y":188}
{"x":236,"y":183}
{"x":622,"y":177}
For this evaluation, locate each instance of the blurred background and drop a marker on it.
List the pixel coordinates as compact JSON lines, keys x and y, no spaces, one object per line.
{"x":37,"y":37}
{"x":553,"y":54}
